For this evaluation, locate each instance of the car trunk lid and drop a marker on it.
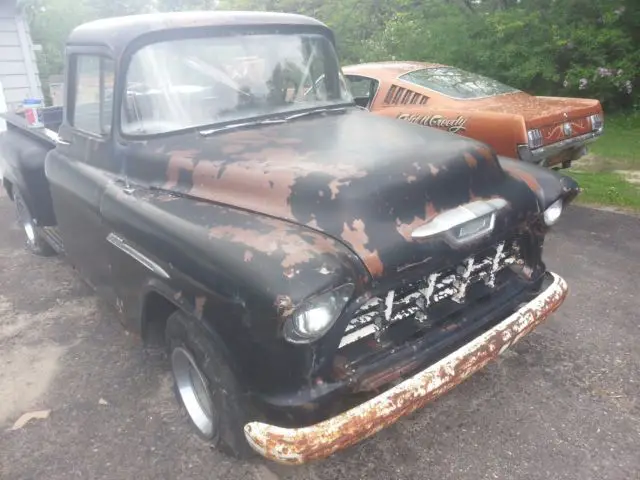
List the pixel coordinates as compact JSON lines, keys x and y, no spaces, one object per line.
{"x":557,"y":118}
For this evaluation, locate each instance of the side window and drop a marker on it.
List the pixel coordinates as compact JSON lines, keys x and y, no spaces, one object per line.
{"x":93,"y":88}
{"x":363,"y":89}
{"x":360,"y":86}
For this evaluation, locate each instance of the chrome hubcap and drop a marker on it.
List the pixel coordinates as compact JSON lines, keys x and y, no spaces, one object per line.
{"x":29,"y":232}
{"x":193,"y":391}
{"x":27,"y":224}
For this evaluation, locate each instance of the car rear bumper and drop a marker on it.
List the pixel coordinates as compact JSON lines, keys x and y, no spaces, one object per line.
{"x":542,"y":155}
{"x":300,"y":445}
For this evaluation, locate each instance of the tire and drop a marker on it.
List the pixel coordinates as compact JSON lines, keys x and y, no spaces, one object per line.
{"x":210,"y":393}
{"x":34,"y":239}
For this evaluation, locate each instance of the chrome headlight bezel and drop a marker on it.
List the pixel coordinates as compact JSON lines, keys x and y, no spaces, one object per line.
{"x":315,"y":317}
{"x":553,"y":212}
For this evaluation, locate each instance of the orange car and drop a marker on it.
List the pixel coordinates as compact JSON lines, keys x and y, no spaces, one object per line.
{"x":551,"y":131}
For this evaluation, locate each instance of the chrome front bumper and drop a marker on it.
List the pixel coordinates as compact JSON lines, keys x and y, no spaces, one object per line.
{"x":300,"y":445}
{"x":542,"y":154}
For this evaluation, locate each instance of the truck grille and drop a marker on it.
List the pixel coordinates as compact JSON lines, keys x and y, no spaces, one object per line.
{"x":419,"y":300}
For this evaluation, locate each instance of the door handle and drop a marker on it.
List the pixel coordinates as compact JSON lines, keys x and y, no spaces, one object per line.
{"x":61,"y":141}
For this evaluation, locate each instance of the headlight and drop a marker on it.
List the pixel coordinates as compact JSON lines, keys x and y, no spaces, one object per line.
{"x":535,"y":138}
{"x":596,"y":121}
{"x":313,"y":319}
{"x":552,"y":214}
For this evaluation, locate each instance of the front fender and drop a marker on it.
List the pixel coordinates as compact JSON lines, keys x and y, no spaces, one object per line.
{"x":239,"y":272}
{"x":547,"y":184}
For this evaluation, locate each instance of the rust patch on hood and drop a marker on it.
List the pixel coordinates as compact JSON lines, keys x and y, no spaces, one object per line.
{"x":405,"y":229}
{"x":335,"y":185}
{"x":232,"y":148}
{"x":199,"y":306}
{"x":293,"y":248}
{"x":487,"y":154}
{"x":471,"y":160}
{"x":313,"y":224}
{"x":220,"y":182}
{"x":179,"y":160}
{"x":265,"y":177}
{"x":284,"y":305}
{"x":356,"y":236}
{"x":525,"y":177}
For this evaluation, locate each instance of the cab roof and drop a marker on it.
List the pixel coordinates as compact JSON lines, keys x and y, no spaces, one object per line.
{"x":117,"y":32}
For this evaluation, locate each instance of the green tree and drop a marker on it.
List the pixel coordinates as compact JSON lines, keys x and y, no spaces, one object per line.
{"x":587,"y":48}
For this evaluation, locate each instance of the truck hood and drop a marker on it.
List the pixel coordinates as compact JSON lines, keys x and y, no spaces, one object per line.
{"x":537,"y":111}
{"x":362,"y":179}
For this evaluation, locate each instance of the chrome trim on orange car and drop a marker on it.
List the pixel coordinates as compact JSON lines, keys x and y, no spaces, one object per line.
{"x":539,"y":155}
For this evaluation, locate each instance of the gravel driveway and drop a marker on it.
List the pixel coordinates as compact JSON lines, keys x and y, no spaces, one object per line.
{"x":563,"y":404}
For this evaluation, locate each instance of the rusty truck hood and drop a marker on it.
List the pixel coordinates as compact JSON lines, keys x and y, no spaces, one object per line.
{"x":363,"y":179}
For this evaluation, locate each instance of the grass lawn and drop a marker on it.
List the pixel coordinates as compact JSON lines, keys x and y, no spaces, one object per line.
{"x":619,"y":146}
{"x":613,"y":161}
{"x":607,"y":188}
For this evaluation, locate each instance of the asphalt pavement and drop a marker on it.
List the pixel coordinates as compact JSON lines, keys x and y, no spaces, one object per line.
{"x":564,"y":403}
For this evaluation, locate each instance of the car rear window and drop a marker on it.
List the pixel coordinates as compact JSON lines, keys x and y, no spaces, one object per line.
{"x":457,"y":83}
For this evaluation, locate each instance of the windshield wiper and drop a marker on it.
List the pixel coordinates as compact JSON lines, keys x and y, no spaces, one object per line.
{"x":317,"y":111}
{"x":233,"y":126}
{"x":271,"y":121}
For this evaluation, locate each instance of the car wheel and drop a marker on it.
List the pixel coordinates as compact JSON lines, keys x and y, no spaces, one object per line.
{"x":206,"y":387}
{"x":34,"y":239}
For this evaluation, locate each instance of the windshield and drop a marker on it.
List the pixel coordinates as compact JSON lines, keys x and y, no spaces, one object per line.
{"x":457,"y":83}
{"x":194,"y":82}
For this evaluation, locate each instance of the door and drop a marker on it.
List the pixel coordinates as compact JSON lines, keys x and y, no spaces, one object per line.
{"x":81,"y":166}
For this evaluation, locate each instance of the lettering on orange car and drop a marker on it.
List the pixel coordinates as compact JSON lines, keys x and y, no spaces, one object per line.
{"x":453,"y":125}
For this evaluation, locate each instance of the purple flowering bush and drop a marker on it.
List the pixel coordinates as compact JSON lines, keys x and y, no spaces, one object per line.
{"x":612,"y":85}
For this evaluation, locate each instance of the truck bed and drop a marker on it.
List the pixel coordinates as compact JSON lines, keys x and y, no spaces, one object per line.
{"x":51,"y":118}
{"x":23,"y":151}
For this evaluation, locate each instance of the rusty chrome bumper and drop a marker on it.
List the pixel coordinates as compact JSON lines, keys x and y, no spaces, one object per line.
{"x":541,"y":155}
{"x":300,"y":445}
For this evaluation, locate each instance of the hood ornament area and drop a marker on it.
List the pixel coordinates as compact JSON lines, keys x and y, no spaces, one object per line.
{"x":464,"y":223}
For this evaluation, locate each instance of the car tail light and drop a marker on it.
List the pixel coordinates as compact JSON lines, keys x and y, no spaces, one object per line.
{"x":596,"y":121}
{"x":535,"y":138}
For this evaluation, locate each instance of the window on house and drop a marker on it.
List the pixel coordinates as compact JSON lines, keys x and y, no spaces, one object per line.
{"x":93,"y":100}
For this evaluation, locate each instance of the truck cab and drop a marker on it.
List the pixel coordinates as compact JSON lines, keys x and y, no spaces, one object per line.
{"x":315,"y":271}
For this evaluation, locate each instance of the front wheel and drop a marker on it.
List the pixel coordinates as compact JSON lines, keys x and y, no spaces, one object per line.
{"x":34,"y":239}
{"x":206,"y":387}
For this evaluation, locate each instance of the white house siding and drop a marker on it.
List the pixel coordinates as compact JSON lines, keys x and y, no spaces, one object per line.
{"x":18,"y":68}
{"x":3,"y":128}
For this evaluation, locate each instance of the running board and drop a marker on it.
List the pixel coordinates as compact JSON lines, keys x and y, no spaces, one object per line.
{"x":53,"y":238}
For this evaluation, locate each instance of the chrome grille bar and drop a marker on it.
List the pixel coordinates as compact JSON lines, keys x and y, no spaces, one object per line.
{"x":416,"y":300}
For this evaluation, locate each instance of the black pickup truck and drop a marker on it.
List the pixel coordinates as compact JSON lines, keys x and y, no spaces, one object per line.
{"x":315,"y":271}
